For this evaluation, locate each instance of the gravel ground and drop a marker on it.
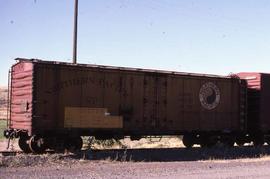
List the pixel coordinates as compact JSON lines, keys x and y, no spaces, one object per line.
{"x":238,"y":162}
{"x":107,"y":169}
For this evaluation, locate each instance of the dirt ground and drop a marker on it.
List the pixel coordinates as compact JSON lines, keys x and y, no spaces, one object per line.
{"x":105,"y":169}
{"x":13,"y":145}
{"x":244,"y":168}
{"x":146,"y":158}
{"x":165,"y":158}
{"x":237,"y":162}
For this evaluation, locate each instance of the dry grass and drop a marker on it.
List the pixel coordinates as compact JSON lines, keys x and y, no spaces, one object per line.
{"x":3,"y":102}
{"x":144,"y":143}
{"x":261,"y":158}
{"x":3,"y":126}
{"x":3,"y":113}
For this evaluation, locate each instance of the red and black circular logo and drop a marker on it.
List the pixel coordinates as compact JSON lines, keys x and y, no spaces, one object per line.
{"x":209,"y":95}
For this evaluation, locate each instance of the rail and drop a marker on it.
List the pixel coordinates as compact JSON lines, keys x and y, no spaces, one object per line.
{"x":10,"y":153}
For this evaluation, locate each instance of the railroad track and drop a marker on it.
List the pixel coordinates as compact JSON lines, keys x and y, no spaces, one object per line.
{"x":17,"y":152}
{"x":10,"y":153}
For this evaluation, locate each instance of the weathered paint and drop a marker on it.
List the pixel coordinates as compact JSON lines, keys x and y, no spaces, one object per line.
{"x":258,"y":100}
{"x":78,"y":117}
{"x":253,"y":79}
{"x":21,"y":96}
{"x":150,"y":101}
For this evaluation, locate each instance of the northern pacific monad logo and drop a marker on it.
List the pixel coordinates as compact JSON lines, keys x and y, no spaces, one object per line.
{"x":209,"y":95}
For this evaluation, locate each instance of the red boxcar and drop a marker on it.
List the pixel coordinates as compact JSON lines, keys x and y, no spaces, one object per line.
{"x":258,"y":104}
{"x":54,"y":103}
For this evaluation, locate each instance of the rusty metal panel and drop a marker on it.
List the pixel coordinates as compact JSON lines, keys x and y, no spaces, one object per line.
{"x":147,"y":101}
{"x":21,"y":96}
{"x":175,"y":103}
{"x":265,"y":102}
{"x":253,"y":79}
{"x":154,"y":101}
{"x":131,"y":100}
{"x":189,"y":109}
{"x":81,"y":117}
{"x":69,"y":86}
{"x":162,"y":110}
{"x":111,"y":91}
{"x":258,"y":100}
{"x":46,"y":97}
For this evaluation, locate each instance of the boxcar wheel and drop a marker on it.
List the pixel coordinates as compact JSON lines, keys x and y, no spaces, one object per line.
{"x":59,"y":143}
{"x":239,"y":142}
{"x":267,"y":140}
{"x":188,"y":141}
{"x":258,"y":141}
{"x":203,"y":142}
{"x":37,"y":144}
{"x":208,"y":141}
{"x":74,"y":144}
{"x":228,"y":141}
{"x":211,"y":144}
{"x":207,"y":144}
{"x":23,"y":144}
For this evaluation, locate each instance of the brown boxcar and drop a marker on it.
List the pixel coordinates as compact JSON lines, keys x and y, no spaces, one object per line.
{"x":54,"y":102}
{"x":258,"y":105}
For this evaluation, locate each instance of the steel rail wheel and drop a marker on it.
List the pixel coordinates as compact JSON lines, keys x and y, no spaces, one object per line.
{"x":23,"y":144}
{"x":240,"y":143}
{"x":258,"y":140}
{"x":37,"y":144}
{"x":228,"y":141}
{"x":74,"y":144}
{"x":240,"y":140}
{"x":188,"y":141}
{"x":208,"y":141}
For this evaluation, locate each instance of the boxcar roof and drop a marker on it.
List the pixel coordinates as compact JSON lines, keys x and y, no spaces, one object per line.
{"x":123,"y":68}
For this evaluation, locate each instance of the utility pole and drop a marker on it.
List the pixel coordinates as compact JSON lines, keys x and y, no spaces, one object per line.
{"x":75,"y":32}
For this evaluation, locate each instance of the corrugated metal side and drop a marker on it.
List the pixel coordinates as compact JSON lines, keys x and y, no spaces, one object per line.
{"x":21,"y":96}
{"x":253,"y":79}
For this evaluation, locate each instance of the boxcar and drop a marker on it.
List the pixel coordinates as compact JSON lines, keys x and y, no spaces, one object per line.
{"x":53,"y":104}
{"x":258,"y":122}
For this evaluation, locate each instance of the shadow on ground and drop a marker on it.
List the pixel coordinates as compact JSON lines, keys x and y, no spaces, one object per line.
{"x":134,"y":155}
{"x":173,"y":154}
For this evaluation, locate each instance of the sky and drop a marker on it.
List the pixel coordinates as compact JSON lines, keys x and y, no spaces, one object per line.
{"x":209,"y":36}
